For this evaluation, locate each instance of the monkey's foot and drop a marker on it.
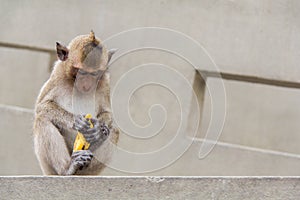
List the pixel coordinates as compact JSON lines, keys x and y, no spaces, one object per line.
{"x":81,"y":159}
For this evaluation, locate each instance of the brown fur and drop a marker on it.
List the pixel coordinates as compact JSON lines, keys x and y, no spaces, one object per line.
{"x":54,"y":118}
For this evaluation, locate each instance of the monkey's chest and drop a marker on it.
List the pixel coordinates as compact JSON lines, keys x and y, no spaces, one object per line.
{"x":65,"y":102}
{"x":79,"y":105}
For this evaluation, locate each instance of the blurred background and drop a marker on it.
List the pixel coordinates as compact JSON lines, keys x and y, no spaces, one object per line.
{"x":255,"y":44}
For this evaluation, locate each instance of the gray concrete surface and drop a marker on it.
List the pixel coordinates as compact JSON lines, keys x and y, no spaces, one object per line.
{"x":225,"y":188}
{"x":254,"y":37}
{"x":16,"y":149}
{"x":257,"y":115}
{"x":22,"y":74}
{"x":224,"y":160}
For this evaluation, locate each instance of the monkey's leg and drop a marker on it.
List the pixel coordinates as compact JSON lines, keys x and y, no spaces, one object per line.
{"x":50,"y":148}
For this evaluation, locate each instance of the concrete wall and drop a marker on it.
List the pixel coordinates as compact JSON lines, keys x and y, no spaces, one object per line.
{"x":257,"y":40}
{"x":16,"y":150}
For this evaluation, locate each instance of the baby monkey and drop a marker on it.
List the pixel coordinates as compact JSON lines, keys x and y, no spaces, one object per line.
{"x":82,"y":66}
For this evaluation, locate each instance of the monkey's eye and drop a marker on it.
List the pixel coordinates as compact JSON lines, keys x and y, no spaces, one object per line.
{"x":96,"y":73}
{"x":82,"y":72}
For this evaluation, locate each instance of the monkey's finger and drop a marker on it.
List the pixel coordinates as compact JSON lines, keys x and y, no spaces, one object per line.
{"x":88,"y":153}
{"x":83,"y":119}
{"x":79,"y":127}
{"x":82,"y":159}
{"x":104,"y":130}
{"x":86,"y":158}
{"x":103,"y":125}
{"x":93,"y":138}
{"x":83,"y":123}
{"x":76,"y":154}
{"x":81,"y":153}
{"x":80,"y":118}
{"x":91,"y":131}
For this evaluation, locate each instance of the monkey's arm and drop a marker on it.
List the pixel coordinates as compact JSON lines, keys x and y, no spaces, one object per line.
{"x":55,"y":114}
{"x":104,"y":114}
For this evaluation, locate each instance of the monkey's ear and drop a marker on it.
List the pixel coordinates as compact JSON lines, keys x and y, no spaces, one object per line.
{"x":92,"y":35}
{"x":111,"y":52}
{"x":62,"y":51}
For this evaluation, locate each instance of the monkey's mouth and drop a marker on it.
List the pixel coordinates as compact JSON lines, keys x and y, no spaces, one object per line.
{"x":86,"y":90}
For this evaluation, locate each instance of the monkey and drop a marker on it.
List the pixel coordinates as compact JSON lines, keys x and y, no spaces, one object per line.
{"x":82,"y":65}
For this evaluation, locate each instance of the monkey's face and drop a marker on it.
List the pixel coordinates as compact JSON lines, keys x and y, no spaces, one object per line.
{"x":91,"y":62}
{"x":86,"y":82}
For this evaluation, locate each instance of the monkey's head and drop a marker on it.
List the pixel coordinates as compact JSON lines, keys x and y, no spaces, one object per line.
{"x":86,"y":59}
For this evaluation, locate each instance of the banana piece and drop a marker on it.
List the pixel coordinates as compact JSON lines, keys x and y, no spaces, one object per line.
{"x":80,"y":142}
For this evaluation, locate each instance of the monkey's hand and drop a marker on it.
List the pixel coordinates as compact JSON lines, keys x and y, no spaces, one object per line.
{"x":79,"y":161}
{"x":96,"y":135}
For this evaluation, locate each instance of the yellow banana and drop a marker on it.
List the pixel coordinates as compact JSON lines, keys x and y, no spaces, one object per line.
{"x":80,"y":142}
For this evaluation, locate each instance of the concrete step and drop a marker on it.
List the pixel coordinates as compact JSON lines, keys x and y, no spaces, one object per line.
{"x":226,"y":188}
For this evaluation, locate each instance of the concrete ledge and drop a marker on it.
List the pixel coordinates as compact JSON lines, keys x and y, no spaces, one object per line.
{"x":36,"y":187}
